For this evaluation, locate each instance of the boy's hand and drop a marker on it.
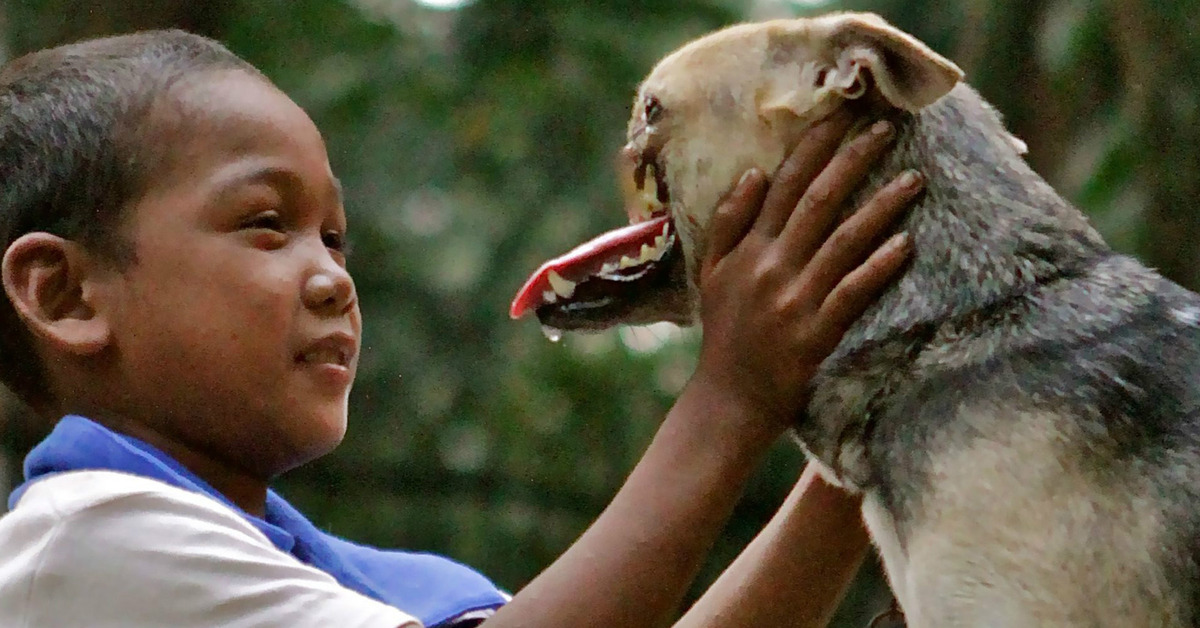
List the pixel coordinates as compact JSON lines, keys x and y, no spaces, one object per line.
{"x":777,"y":290}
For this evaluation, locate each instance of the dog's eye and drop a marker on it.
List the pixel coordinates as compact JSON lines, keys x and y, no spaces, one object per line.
{"x":654,"y":110}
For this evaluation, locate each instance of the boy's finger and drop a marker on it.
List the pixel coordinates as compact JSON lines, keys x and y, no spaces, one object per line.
{"x":801,"y":166}
{"x":818,"y":209}
{"x":859,"y":289}
{"x":734,"y":215}
{"x":854,"y":239}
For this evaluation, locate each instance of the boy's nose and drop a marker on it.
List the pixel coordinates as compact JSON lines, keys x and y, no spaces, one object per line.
{"x":329,"y":291}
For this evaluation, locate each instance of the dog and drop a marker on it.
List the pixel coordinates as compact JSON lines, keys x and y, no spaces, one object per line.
{"x":1020,"y":410}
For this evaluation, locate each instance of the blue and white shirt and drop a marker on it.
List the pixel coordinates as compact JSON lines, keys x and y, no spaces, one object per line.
{"x":109,"y":531}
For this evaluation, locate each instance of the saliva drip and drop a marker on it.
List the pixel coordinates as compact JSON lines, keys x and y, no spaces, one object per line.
{"x":552,"y":334}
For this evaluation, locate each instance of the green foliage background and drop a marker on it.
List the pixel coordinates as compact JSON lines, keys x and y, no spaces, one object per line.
{"x":474,"y":143}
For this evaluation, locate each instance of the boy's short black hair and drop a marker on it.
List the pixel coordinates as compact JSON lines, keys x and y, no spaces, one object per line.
{"x":75,"y":151}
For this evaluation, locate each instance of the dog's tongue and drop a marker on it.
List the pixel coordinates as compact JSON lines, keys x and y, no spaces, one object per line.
{"x":560,"y":274}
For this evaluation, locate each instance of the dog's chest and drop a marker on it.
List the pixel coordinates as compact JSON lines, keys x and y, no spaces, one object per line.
{"x":883,"y":531}
{"x":842,"y":415}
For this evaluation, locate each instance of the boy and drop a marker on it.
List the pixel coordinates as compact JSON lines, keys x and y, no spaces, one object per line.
{"x":177,"y":292}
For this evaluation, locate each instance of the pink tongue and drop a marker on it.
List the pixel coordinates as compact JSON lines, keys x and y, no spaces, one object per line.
{"x":586,"y":259}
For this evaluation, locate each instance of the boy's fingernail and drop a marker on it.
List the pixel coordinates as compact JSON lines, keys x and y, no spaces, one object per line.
{"x":753,"y":172}
{"x":898,"y":241}
{"x":882,"y":129}
{"x":911,"y":180}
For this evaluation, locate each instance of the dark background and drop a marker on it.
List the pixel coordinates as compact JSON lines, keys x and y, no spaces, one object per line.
{"x":476,"y":142}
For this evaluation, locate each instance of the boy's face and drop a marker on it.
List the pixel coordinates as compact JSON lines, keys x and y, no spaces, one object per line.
{"x":237,"y":328}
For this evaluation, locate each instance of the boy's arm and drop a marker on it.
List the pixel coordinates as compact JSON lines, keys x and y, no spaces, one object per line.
{"x":796,"y":570}
{"x":774,"y":302}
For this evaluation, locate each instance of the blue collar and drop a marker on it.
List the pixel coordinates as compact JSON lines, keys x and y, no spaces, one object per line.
{"x":431,"y":588}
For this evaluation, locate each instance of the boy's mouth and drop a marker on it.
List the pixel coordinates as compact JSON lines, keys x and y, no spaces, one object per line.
{"x":335,"y":349}
{"x":605,"y":276}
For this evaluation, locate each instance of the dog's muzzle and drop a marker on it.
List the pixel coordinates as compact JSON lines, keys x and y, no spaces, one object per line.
{"x":606,"y":280}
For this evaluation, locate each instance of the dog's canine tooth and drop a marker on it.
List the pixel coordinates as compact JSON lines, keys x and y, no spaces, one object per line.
{"x":648,"y":194}
{"x":665,"y":246}
{"x":650,"y":190}
{"x":564,"y":287}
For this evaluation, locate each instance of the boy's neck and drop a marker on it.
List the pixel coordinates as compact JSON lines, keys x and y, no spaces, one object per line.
{"x":244,"y":489}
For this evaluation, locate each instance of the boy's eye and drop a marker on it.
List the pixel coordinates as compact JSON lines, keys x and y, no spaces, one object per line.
{"x":334,"y":241}
{"x":267,"y":220}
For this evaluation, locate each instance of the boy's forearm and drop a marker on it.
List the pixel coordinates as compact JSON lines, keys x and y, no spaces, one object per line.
{"x":795,"y":572}
{"x":633,"y":565}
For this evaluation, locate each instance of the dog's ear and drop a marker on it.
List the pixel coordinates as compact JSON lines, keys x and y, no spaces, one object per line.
{"x":857,"y":50}
{"x":909,"y":74}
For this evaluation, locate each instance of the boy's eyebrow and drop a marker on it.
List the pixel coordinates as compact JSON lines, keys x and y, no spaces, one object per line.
{"x":284,"y":178}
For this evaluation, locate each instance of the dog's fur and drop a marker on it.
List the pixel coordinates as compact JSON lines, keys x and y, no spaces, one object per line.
{"x":1022,"y":409}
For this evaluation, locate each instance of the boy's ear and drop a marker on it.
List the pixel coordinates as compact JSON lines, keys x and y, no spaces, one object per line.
{"x":857,"y":51}
{"x":50,"y":282}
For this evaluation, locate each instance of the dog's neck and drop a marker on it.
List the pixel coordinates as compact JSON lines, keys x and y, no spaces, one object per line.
{"x":987,"y":230}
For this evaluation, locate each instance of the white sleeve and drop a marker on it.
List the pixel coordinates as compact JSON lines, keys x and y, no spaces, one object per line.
{"x":159,"y":557}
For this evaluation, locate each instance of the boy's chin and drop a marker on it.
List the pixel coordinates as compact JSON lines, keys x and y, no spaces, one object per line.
{"x":322,"y":433}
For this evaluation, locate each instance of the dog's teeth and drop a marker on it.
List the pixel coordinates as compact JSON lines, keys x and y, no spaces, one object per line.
{"x":660,"y":247}
{"x":549,"y":296}
{"x":666,"y":228}
{"x":643,"y":212}
{"x":627,"y":262}
{"x":608,"y":267}
{"x":564,"y":287}
{"x":627,"y":277}
{"x":646,"y":253}
{"x":651,"y":189}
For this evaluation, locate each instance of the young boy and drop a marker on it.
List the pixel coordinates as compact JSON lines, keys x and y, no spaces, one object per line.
{"x":177,"y":293}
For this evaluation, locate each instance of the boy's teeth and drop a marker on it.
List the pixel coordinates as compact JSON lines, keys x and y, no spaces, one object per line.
{"x":324,"y":356}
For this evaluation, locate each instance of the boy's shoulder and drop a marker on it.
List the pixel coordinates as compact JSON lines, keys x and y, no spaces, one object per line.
{"x":110,"y":541}
{"x":101,"y":492}
{"x":111,"y":505}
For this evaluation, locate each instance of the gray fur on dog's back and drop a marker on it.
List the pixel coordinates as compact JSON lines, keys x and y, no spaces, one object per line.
{"x":1023,"y":409}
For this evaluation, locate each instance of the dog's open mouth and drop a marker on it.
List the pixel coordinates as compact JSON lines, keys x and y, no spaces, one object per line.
{"x":604,"y":280}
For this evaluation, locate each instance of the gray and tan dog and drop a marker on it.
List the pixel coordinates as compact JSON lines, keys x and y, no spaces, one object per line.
{"x":1021,"y":411}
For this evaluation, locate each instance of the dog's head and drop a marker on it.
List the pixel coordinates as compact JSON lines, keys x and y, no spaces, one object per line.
{"x":735,"y":99}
